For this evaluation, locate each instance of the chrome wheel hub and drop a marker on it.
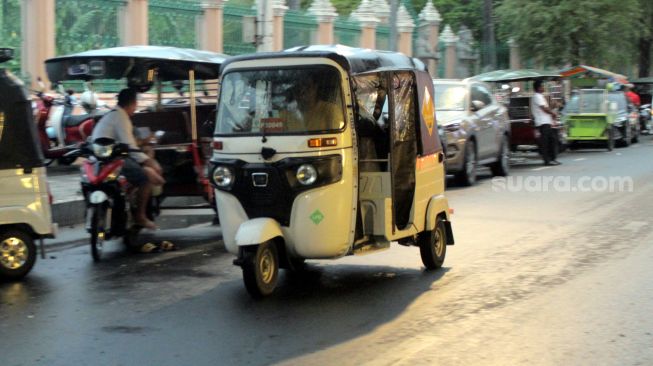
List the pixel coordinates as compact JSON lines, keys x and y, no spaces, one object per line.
{"x":13,"y":253}
{"x":438,"y":243}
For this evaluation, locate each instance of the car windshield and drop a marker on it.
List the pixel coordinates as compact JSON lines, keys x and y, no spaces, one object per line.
{"x":280,"y":101}
{"x":587,"y":101}
{"x":450,"y":97}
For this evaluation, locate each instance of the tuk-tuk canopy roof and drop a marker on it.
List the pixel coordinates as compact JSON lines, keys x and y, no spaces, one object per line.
{"x":135,"y":63}
{"x":354,"y":60}
{"x":646,"y":80}
{"x":515,"y":75}
{"x":582,"y":69}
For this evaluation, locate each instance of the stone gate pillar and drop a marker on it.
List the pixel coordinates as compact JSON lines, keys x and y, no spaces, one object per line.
{"x":449,"y":39}
{"x":134,"y":23}
{"x":38,"y":33}
{"x":212,"y":25}
{"x":326,"y":14}
{"x":366,"y":16}
{"x":279,"y":9}
{"x":427,"y":42}
{"x":405,"y":26}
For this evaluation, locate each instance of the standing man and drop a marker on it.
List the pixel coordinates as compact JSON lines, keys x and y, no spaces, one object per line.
{"x":139,"y":169}
{"x":543,"y":117}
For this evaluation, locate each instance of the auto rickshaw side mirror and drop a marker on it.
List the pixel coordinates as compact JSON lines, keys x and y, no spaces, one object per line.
{"x":477,"y":105}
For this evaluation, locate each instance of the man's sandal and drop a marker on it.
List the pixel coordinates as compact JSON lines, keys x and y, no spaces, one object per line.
{"x":150,"y":248}
{"x":167,"y":246}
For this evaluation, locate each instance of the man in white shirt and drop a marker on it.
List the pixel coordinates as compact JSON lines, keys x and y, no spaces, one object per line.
{"x":543,"y":117}
{"x":139,"y":169}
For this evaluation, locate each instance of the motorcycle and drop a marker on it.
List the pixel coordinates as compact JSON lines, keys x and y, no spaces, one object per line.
{"x":110,"y":200}
{"x":59,"y":130}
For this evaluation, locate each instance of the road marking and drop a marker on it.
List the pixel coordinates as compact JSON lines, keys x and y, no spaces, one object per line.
{"x":541,"y":168}
{"x":580,"y":159}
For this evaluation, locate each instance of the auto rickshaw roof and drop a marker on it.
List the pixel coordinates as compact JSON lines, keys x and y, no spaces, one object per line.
{"x":646,"y":80}
{"x":135,"y":62}
{"x":515,"y":75}
{"x":354,"y":60}
{"x":583,"y":69}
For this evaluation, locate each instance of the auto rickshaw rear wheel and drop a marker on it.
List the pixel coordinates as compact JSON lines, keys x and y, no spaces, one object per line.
{"x":260,"y":264}
{"x":17,"y":254}
{"x":433,"y":246}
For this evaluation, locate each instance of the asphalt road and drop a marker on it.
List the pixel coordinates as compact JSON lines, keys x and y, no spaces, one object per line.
{"x":537,"y":277}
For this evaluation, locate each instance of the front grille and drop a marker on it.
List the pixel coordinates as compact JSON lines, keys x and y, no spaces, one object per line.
{"x":274,"y":200}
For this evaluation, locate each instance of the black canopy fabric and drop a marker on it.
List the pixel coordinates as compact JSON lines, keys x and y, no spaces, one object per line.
{"x":19,"y":147}
{"x":134,"y":63}
{"x":355,"y":60}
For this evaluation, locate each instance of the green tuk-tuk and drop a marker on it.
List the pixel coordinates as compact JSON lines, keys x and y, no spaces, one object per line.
{"x":589,"y":116}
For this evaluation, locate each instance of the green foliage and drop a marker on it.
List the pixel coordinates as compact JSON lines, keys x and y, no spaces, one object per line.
{"x":173,"y":23}
{"x":556,"y":32}
{"x":86,"y":25}
{"x":10,"y":30}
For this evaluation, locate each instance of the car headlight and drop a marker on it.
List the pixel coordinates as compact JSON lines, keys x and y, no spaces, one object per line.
{"x":306,"y":174}
{"x":102,"y":151}
{"x":223,"y":176}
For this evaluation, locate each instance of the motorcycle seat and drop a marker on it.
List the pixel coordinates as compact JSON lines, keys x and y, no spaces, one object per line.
{"x":76,"y":120}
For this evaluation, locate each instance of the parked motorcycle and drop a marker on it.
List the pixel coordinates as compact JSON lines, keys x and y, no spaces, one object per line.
{"x":110,"y":200}
{"x":59,"y":130}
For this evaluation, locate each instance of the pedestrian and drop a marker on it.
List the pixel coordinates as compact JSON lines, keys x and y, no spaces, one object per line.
{"x":544,"y":117}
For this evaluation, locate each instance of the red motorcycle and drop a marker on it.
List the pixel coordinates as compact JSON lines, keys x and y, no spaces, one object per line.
{"x":110,"y":200}
{"x":59,"y":131}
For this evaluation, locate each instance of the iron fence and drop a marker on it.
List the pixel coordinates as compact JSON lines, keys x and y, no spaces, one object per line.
{"x":347,"y":32}
{"x":86,"y":25}
{"x":298,"y":29}
{"x":233,"y":29}
{"x":10,"y":31}
{"x":382,"y":37}
{"x":174,"y":23}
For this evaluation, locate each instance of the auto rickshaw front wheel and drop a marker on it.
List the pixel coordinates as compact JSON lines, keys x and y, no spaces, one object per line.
{"x":17,"y":254}
{"x":433,"y":246}
{"x":260,"y":264}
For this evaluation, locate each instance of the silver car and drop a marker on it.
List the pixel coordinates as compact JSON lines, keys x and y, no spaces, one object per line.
{"x":475,"y":127}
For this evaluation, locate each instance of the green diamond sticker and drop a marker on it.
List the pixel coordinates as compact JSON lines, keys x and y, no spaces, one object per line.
{"x":317,"y":217}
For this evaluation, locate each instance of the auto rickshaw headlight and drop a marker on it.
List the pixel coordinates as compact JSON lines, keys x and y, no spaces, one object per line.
{"x":306,"y":174}
{"x":223,"y":177}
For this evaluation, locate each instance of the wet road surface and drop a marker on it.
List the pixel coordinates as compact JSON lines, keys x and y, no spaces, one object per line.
{"x":535,"y":278}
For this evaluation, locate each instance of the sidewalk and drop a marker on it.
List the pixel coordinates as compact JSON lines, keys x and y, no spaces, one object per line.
{"x":68,"y":203}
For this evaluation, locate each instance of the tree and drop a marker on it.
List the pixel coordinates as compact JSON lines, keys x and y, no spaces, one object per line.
{"x":557,"y":32}
{"x":645,"y":37}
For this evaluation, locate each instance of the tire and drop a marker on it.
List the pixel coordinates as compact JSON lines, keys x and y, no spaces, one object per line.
{"x":626,"y":136}
{"x":573,"y":145}
{"x":17,"y":254}
{"x":260,"y":269}
{"x":467,"y":176}
{"x":97,"y":232}
{"x":433,"y":246}
{"x":635,"y":138}
{"x":501,"y":167}
{"x":610,"y":142}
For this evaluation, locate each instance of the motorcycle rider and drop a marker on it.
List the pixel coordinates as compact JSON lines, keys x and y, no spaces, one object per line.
{"x":140,"y":170}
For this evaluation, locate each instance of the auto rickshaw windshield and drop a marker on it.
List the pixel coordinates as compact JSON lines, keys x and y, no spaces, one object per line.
{"x":280,"y":101}
{"x":450,"y":97}
{"x":587,"y":101}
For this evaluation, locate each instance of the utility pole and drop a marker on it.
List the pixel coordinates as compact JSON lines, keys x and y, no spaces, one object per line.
{"x":394,"y":7}
{"x":490,"y":56}
{"x":264,"y":26}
